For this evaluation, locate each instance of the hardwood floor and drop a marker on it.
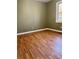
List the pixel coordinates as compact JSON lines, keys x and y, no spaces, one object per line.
{"x":39,"y":45}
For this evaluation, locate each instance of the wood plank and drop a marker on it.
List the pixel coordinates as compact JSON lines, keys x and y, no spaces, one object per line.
{"x":39,"y":45}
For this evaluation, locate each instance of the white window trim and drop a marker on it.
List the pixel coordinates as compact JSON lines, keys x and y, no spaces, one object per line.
{"x":57,"y":21}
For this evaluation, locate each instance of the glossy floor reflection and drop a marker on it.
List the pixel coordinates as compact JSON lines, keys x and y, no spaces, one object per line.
{"x":58,"y":46}
{"x":40,"y":45}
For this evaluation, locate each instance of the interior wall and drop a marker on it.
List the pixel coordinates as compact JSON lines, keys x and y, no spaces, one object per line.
{"x":52,"y":16}
{"x":31,"y":15}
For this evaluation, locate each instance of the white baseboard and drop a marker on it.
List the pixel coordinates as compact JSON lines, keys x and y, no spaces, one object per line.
{"x":39,"y":30}
{"x":31,"y":31}
{"x":54,"y":30}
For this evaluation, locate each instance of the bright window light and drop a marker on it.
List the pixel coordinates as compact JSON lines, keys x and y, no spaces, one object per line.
{"x":59,"y":12}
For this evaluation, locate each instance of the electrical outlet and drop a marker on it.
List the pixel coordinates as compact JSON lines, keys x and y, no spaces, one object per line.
{"x":31,"y":27}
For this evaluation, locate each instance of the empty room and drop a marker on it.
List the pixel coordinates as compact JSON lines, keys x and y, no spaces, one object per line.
{"x":39,"y":29}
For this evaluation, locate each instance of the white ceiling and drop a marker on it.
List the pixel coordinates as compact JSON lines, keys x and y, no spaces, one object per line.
{"x":43,"y":1}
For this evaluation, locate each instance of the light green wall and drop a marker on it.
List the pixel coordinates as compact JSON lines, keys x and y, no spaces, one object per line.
{"x":52,"y":16}
{"x":31,"y":15}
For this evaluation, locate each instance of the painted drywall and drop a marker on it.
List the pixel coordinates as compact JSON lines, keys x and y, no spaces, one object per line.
{"x":31,"y":15}
{"x":52,"y":16}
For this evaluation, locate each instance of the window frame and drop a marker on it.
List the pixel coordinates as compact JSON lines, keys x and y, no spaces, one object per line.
{"x":57,"y":11}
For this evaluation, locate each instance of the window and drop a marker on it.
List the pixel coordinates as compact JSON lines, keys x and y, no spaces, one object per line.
{"x":59,"y":12}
